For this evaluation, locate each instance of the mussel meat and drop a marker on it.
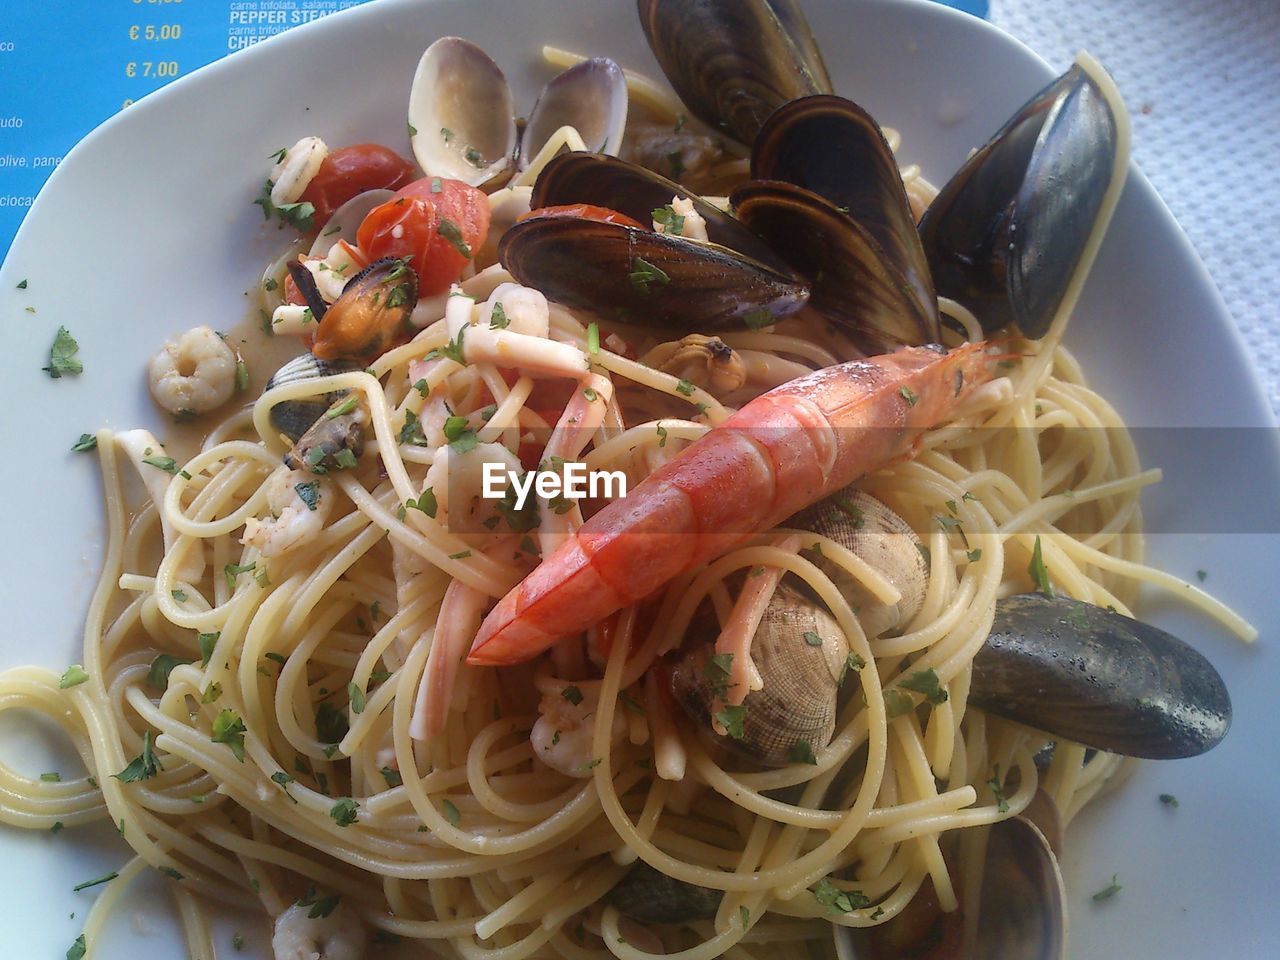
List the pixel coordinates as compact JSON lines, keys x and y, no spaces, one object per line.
{"x":334,"y":441}
{"x":1014,"y":232}
{"x":1100,"y":679}
{"x":733,"y":62}
{"x":373,"y":310}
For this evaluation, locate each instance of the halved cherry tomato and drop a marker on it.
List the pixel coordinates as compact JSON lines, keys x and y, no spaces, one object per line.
{"x":585,"y":211}
{"x":438,"y":223}
{"x":352,"y":170}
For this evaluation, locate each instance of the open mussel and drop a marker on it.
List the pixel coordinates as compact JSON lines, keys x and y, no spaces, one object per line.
{"x":801,"y":655}
{"x":831,"y":147}
{"x":334,"y":441}
{"x":1012,"y":235}
{"x":372,"y":311}
{"x":1100,"y":679}
{"x":733,"y":62}
{"x":636,"y":274}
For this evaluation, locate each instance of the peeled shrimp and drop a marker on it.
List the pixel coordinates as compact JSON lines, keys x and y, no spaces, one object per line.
{"x":562,"y":734}
{"x":195,"y":375}
{"x":294,"y":520}
{"x":784,"y":450}
{"x":338,"y":936}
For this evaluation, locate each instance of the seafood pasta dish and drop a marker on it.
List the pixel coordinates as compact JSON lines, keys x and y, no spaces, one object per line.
{"x":661,"y":525}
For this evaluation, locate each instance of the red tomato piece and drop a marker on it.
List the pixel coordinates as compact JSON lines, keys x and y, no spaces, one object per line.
{"x":352,"y":170}
{"x":585,"y":211}
{"x":441,"y":224}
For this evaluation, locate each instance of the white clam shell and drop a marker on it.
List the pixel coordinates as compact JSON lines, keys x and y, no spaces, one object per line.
{"x":346,"y":221}
{"x":461,"y":110}
{"x":591,"y":97}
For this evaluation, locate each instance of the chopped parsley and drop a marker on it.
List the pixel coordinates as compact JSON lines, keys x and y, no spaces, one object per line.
{"x":207,"y":642}
{"x":644,"y":275}
{"x":731,"y":718}
{"x":77,"y":949}
{"x":572,"y":694}
{"x":344,"y":812}
{"x":475,"y":158}
{"x":161,"y":667}
{"x":812,"y":639}
{"x":593,"y":338}
{"x":460,"y":555}
{"x":670,"y":221}
{"x":590,"y":394}
{"x":451,"y":812}
{"x":662,"y":435}
{"x":356,"y":696}
{"x":413,"y":131}
{"x":838,"y":901}
{"x":22,"y":284}
{"x":1039,"y":572}
{"x":973,"y":556}
{"x":105,"y":878}
{"x":897,"y":703}
{"x":142,"y":767}
{"x":298,"y":215}
{"x":1202,"y":575}
{"x":308,"y":493}
{"x":228,"y":728}
{"x":331,"y":724}
{"x":1169,"y":800}
{"x":321,"y":907}
{"x":909,"y":395}
{"x":86,"y":443}
{"x":62,"y":354}
{"x":411,"y":432}
{"x":498,"y":319}
{"x":1109,"y":891}
{"x":170,"y":872}
{"x":233,"y":570}
{"x":461,"y":437}
{"x":426,"y":502}
{"x":716,"y":672}
{"x":450,"y":231}
{"x":1002,"y":804}
{"x":802,"y":752}
{"x":51,"y":777}
{"x":926,"y":682}
{"x":73,"y":676}
{"x":685,"y":387}
{"x":392,"y":777}
{"x":167,"y":464}
{"x":852,"y":662}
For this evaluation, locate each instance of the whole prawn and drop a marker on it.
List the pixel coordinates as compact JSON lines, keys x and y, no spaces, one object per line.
{"x":783,"y":451}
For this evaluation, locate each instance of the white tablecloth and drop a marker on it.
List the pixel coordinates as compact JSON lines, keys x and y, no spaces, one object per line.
{"x":1202,"y":82}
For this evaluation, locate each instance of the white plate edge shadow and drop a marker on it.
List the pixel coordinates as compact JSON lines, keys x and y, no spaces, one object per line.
{"x":1139,"y":192}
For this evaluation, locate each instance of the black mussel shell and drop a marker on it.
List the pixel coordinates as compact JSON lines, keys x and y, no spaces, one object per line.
{"x":832,"y":147}
{"x":372,"y":311}
{"x":650,"y":896}
{"x":636,"y":191}
{"x":733,"y":62}
{"x":1007,"y":234}
{"x":642,"y":277}
{"x":1098,"y":678}
{"x":854,"y":283}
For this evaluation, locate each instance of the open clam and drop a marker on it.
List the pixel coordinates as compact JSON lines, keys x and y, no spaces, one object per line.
{"x":1012,"y":235}
{"x":733,"y":62}
{"x":294,"y":418}
{"x":462,"y":118}
{"x":591,"y":97}
{"x":1020,"y":911}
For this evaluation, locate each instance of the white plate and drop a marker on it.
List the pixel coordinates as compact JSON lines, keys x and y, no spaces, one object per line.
{"x":147,"y":227}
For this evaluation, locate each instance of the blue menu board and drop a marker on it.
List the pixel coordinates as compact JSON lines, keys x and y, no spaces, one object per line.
{"x":66,"y":66}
